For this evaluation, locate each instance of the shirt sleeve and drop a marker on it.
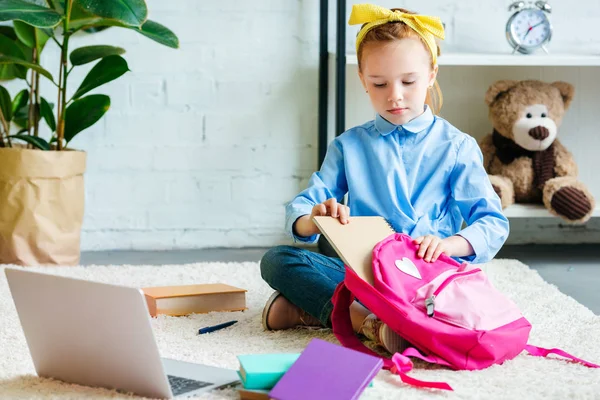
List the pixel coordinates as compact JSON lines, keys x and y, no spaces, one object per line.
{"x":487,"y":227}
{"x":329,"y":181}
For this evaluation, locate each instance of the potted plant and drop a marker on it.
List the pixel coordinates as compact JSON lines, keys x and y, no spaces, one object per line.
{"x":41,"y":179}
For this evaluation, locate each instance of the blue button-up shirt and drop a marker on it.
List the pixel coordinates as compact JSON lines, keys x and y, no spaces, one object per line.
{"x":424,"y":177}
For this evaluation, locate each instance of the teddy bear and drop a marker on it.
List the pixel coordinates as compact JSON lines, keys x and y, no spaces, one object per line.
{"x":525,"y":161}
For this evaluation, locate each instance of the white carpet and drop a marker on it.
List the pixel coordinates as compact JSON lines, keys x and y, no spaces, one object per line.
{"x":558,"y":321}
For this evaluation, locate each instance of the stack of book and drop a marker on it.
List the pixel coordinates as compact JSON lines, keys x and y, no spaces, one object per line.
{"x":322,"y":371}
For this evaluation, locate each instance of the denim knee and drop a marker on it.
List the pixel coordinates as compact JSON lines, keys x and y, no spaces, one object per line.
{"x":274,"y":262}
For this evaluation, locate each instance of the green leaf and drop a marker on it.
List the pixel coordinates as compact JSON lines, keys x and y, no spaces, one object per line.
{"x":35,"y":15}
{"x":5,"y":104}
{"x":96,"y":29}
{"x":8,"y":31}
{"x":56,"y":5}
{"x":10,"y":48}
{"x":83,"y":113}
{"x":84,"y":55}
{"x":20,"y":100}
{"x":38,"y":142}
{"x":27,"y":53}
{"x":151,"y":29}
{"x":80,"y":17}
{"x":106,"y":70}
{"x":21,"y":117}
{"x":128,"y":12}
{"x":48,"y":31}
{"x":42,"y":37}
{"x":159,"y":33}
{"x":41,"y":3}
{"x":47,"y":114}
{"x":6,"y":60}
{"x":25,"y":33}
{"x":31,"y":36}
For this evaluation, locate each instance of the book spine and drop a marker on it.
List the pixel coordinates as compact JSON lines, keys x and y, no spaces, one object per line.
{"x":262,"y":381}
{"x":151,"y":302}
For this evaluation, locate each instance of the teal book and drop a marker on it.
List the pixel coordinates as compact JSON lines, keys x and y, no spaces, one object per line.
{"x":263,"y":371}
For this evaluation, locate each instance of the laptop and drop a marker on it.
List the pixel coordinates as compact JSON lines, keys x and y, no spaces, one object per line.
{"x":100,"y":335}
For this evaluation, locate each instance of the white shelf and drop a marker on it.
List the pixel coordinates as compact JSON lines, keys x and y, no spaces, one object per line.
{"x":507,"y":59}
{"x":533,"y":211}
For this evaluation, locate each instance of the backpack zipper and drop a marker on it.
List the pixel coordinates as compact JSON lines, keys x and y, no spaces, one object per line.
{"x":430,"y":301}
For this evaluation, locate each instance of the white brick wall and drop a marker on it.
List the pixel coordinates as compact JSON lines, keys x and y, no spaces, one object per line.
{"x":203,"y":145}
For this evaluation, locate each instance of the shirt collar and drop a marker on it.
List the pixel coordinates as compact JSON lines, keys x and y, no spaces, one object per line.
{"x":416,"y":125}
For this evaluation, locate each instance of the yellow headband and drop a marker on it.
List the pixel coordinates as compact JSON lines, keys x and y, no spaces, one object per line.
{"x":426,"y":26}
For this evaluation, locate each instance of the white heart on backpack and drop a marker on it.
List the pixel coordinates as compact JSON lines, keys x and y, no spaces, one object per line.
{"x":408,"y":267}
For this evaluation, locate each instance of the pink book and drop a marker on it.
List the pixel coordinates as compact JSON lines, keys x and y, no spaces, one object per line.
{"x":327,"y":371}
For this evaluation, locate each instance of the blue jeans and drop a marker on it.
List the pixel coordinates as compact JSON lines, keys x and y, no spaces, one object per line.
{"x":305,"y":278}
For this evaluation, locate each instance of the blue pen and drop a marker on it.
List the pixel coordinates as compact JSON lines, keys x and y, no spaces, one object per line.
{"x":209,"y":329}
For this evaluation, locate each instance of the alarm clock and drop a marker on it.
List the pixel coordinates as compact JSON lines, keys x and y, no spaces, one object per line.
{"x":528,"y":28}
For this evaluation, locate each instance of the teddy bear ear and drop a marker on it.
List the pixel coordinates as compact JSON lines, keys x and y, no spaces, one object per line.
{"x":567,"y":91}
{"x":496,"y":89}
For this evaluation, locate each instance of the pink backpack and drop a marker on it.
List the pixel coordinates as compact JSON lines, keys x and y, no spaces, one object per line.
{"x":449,"y":311}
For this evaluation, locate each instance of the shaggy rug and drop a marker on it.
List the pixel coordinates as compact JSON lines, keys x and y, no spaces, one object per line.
{"x":558,"y":321}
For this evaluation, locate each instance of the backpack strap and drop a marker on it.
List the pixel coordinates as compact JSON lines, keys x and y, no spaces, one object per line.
{"x":412,"y":352}
{"x":342,"y":329}
{"x":542,"y":352}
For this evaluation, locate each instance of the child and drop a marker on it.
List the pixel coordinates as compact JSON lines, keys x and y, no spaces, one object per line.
{"x":411,"y":167}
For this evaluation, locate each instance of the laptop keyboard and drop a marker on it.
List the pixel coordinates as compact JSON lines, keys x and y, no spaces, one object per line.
{"x":181,"y":385}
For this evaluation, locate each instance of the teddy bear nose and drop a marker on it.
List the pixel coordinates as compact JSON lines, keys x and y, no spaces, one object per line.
{"x":539,"y":133}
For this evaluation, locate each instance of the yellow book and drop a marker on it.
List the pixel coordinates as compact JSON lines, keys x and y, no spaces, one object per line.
{"x":354,"y":241}
{"x":187,"y":299}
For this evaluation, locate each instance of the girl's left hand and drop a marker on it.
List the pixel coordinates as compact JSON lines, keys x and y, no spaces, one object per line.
{"x":430,"y":247}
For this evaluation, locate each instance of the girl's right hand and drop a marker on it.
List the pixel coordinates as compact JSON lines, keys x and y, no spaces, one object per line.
{"x":333,"y":208}
{"x":305,"y":226}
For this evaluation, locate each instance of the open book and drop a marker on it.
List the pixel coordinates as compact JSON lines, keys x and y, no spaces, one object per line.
{"x":354,"y":241}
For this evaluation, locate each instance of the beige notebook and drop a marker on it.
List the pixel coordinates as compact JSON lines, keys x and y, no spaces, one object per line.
{"x":354,"y":241}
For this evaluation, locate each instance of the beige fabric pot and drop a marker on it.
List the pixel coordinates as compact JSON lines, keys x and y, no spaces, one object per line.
{"x":41,"y":206}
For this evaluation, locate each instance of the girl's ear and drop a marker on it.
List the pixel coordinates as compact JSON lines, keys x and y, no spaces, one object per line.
{"x":433,"y":75}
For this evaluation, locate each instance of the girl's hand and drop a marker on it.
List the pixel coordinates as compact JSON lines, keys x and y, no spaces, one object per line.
{"x":305,"y":226}
{"x":333,"y":208}
{"x":431,"y":246}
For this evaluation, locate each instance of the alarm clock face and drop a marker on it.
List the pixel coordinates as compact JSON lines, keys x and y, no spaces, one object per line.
{"x":528,"y":30}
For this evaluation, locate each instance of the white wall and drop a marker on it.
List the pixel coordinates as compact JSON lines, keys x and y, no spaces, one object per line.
{"x":204,"y":145}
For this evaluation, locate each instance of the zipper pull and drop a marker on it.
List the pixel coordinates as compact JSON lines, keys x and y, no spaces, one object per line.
{"x":429,"y":305}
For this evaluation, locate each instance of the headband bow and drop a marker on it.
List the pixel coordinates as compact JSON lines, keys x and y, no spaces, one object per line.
{"x":426,"y":26}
